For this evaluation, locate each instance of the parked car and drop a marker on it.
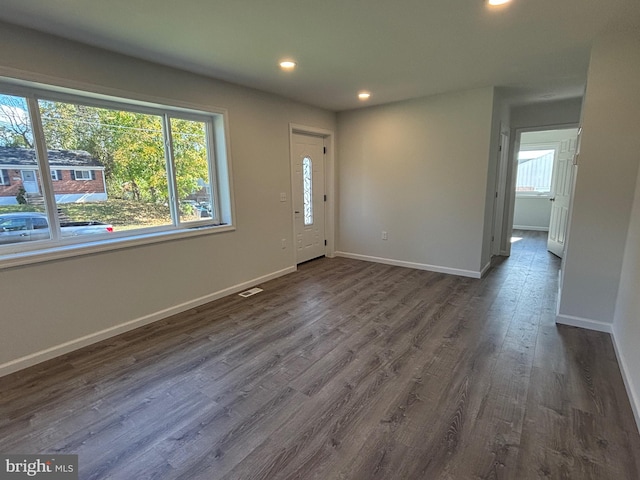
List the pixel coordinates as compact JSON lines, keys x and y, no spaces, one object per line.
{"x":29,"y":226}
{"x":198,"y":209}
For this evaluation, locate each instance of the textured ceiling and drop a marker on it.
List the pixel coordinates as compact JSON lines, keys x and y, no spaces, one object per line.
{"x":397,"y":49}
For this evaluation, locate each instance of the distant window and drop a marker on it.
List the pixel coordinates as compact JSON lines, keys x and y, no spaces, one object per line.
{"x":4,"y":177}
{"x":535,"y":172}
{"x":82,"y":174}
{"x":55,"y":175}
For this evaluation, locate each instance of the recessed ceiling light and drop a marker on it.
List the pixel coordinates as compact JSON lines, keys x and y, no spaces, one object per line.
{"x":495,"y":3}
{"x":364,"y":95}
{"x":288,"y":65}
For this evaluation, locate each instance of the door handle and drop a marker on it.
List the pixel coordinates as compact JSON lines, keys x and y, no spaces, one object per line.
{"x":297,"y":211}
{"x":553,"y":199}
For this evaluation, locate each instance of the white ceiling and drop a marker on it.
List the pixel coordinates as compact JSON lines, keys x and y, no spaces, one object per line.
{"x":397,"y":49}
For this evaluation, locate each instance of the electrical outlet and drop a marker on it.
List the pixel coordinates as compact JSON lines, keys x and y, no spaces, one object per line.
{"x":385,"y":236}
{"x":283,"y":197}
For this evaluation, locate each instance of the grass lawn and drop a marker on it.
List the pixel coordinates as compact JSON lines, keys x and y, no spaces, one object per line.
{"x":122,"y":214}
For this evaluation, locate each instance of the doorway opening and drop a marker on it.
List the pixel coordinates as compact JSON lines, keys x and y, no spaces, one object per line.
{"x":545,"y":171}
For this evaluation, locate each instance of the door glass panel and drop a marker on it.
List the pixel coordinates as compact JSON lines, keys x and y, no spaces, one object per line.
{"x":21,"y":200}
{"x":307,"y":193}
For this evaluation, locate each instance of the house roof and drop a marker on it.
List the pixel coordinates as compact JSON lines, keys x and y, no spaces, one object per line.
{"x":26,"y":157}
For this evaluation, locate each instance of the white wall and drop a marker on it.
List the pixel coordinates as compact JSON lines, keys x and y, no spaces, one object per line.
{"x":47,"y":307}
{"x":605,"y":183}
{"x":610,"y":139}
{"x":532,"y":213}
{"x":546,"y":114}
{"x":495,"y":173}
{"x":626,"y":324}
{"x":418,"y":170}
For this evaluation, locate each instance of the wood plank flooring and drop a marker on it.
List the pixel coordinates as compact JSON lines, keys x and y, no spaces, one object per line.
{"x":342,"y":370}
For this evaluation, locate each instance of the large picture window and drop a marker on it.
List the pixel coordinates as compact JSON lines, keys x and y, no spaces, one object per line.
{"x":101,"y":169}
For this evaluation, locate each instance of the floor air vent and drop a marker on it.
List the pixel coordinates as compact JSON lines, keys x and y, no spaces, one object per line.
{"x":251,"y":291}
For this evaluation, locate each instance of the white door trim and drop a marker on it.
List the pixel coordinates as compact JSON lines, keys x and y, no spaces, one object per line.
{"x":501,"y":193}
{"x":329,"y":183}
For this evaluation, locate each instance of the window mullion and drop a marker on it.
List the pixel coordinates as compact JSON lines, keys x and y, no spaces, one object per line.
{"x":213,"y":178}
{"x":171,"y":170}
{"x":42,"y":158}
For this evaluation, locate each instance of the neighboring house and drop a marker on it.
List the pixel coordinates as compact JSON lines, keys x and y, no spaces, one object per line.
{"x":77,"y":176}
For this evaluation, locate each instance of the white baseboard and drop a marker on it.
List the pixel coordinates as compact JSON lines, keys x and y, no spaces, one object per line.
{"x":634,"y":400}
{"x":485,"y":269}
{"x":417,"y":266}
{"x":75,"y":344}
{"x":587,"y":323}
{"x":530,"y":227}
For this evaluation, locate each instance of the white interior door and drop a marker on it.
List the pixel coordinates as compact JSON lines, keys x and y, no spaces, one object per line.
{"x":307,"y":160}
{"x":561,"y":196}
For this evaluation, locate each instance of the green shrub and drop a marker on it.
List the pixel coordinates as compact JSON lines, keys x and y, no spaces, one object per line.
{"x":20,"y":197}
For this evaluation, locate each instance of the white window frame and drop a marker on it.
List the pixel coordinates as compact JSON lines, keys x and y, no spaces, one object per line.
{"x":54,"y":175}
{"x":2,"y":177}
{"x":219,"y":176}
{"x":82,"y":173}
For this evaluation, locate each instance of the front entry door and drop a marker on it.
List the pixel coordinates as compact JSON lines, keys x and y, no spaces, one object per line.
{"x":307,"y":163}
{"x":29,"y":181}
{"x":561,"y":195}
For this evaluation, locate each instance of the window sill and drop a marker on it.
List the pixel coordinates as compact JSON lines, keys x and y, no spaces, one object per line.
{"x":105,"y":245}
{"x":533,"y":195}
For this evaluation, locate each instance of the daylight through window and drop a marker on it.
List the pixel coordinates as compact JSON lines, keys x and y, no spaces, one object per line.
{"x":535,"y":172}
{"x":97,"y":169}
{"x":307,"y":185}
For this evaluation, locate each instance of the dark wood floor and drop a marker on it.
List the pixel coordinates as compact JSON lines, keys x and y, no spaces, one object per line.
{"x":342,"y":370}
